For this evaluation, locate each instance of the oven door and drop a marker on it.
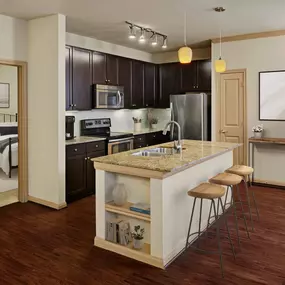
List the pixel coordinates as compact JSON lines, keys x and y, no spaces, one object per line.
{"x":109,"y":97}
{"x":120,"y":145}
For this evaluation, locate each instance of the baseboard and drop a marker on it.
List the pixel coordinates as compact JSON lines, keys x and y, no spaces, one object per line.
{"x":269,"y":183}
{"x":47,"y":203}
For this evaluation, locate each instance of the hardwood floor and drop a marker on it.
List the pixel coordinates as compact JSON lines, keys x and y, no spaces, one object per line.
{"x":43,"y":246}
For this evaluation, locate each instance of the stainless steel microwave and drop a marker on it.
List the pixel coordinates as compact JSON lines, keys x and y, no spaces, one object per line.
{"x":108,"y":97}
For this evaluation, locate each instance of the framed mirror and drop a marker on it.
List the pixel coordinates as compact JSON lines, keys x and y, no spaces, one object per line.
{"x":272,"y":95}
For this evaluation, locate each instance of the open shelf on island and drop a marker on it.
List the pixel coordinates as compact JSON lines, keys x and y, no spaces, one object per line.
{"x":125,"y":210}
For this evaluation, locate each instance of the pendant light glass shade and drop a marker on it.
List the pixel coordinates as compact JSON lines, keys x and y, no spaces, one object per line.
{"x":185,"y":55}
{"x":220,"y":65}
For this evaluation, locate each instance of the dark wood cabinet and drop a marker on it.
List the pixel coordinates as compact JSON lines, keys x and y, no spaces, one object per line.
{"x":68,"y":76}
{"x":80,"y":172}
{"x":81,"y":79}
{"x":99,"y":68}
{"x":125,"y":79}
{"x":170,"y":83}
{"x":189,"y":76}
{"x":150,"y":77}
{"x":137,"y":97}
{"x":204,"y":75}
{"x":112,"y":69}
{"x":150,"y":139}
{"x":140,"y":141}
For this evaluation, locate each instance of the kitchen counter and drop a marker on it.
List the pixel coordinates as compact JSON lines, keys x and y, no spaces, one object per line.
{"x":193,"y":152}
{"x":83,"y":139}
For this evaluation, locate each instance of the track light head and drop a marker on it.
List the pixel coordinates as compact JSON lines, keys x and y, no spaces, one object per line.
{"x":142,"y":39}
{"x":154,"y":41}
{"x":132,"y":33}
{"x":164,"y":46}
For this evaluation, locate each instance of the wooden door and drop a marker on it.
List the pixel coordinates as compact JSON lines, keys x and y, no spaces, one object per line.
{"x":149,"y":84}
{"x":99,"y":68}
{"x":68,"y":78}
{"x":125,"y":78}
{"x":204,"y":75}
{"x":189,"y":77}
{"x":112,"y":69}
{"x":232,"y":112}
{"x":137,"y":98}
{"x":82,"y":79}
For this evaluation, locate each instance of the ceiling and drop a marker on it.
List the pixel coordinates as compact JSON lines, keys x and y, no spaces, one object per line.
{"x":105,"y":19}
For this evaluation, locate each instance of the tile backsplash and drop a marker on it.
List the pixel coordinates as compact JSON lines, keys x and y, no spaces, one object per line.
{"x":121,"y":119}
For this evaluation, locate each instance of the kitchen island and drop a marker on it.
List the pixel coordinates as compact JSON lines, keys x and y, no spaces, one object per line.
{"x":162,"y":180}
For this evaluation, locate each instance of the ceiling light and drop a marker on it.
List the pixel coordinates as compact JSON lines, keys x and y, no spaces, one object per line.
{"x":164,"y":42}
{"x":142,"y":37}
{"x":132,"y":33}
{"x":154,"y":41}
{"x":220,"y":64}
{"x":185,"y":53}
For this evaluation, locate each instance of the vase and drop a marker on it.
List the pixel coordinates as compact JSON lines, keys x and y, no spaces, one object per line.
{"x":120,"y":194}
{"x":137,"y":127}
{"x":138,"y":243}
{"x":257,"y":135}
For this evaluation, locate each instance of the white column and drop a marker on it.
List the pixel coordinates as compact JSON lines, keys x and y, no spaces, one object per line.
{"x":46,"y":104}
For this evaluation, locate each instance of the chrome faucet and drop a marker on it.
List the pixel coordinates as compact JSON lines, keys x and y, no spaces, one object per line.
{"x":178,"y":145}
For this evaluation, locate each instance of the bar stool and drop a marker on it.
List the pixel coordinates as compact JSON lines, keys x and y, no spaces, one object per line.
{"x":210,"y":192}
{"x":230,"y":180}
{"x":245,"y":172}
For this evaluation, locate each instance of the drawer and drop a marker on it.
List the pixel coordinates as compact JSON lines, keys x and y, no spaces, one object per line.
{"x":91,"y":155}
{"x":139,"y":144}
{"x":140,"y":139}
{"x":75,"y":149}
{"x":96,"y":146}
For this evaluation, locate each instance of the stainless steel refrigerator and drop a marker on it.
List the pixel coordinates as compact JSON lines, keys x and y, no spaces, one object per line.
{"x":192,"y":111}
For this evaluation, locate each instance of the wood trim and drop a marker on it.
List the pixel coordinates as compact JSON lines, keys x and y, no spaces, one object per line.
{"x":22,"y":127}
{"x":47,"y":203}
{"x":128,"y":252}
{"x":250,"y":36}
{"x":139,"y":172}
{"x":217,"y":102}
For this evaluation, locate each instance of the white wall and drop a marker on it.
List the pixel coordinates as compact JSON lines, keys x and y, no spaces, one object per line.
{"x":13,"y":38}
{"x":101,"y":46}
{"x":46,"y":104}
{"x":257,"y":55}
{"x":9,"y":74}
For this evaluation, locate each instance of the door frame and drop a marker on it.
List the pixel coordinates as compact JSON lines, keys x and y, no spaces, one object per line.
{"x":218,"y":109}
{"x":22,"y":127}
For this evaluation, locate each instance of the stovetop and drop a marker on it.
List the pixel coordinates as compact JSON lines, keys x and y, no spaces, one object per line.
{"x":113,"y":135}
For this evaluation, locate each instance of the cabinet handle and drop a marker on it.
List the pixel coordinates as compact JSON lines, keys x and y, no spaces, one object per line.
{"x":146,"y":105}
{"x":74,"y":105}
{"x":88,"y":158}
{"x":75,"y":149}
{"x":154,"y":136}
{"x":85,"y":158}
{"x":134,"y":105}
{"x":140,"y":139}
{"x":97,"y":145}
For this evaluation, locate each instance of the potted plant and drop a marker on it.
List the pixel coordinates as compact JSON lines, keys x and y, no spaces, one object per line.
{"x":257,"y":131}
{"x":137,"y":124}
{"x":153,"y":122}
{"x":137,"y":235}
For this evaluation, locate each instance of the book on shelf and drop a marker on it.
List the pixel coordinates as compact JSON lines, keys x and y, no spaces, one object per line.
{"x":118,"y":231}
{"x":143,"y":208}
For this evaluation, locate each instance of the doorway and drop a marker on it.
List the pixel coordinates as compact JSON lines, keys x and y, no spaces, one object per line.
{"x":13,"y":132}
{"x":231,"y":116}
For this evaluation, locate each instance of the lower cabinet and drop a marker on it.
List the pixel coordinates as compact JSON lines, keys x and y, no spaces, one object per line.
{"x":150,"y":139}
{"x":80,"y":172}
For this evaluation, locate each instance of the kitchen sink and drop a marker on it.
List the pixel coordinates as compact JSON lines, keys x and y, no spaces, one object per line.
{"x":159,"y":151}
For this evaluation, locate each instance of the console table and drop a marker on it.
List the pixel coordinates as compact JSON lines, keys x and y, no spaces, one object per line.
{"x":254,"y":141}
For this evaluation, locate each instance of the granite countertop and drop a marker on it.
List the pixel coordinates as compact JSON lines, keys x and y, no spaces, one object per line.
{"x":83,"y":139}
{"x":193,"y":152}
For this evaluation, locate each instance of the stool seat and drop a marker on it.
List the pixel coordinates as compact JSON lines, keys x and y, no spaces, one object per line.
{"x":207,"y":191}
{"x":240,"y":170}
{"x":226,"y":179}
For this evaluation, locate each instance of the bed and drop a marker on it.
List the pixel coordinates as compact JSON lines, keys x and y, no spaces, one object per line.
{"x":9,"y":144}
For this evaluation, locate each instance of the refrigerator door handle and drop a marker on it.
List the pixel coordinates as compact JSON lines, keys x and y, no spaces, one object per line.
{"x":172,"y":118}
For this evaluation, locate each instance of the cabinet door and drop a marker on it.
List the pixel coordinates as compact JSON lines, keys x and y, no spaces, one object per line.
{"x":99,"y":68}
{"x":112,"y":69}
{"x":149,"y":84}
{"x":90,"y":171}
{"x":189,"y":76}
{"x":137,"y":84}
{"x":170,"y":82}
{"x":75,"y":176}
{"x":81,"y":79}
{"x":125,"y":79}
{"x":204,"y":74}
{"x":68,"y":78}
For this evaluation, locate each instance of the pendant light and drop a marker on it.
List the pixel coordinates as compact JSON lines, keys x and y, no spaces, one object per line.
{"x":220,"y":64}
{"x":185,"y":53}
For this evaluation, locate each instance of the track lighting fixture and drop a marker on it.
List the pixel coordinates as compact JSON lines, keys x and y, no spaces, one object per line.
{"x":147,"y":34}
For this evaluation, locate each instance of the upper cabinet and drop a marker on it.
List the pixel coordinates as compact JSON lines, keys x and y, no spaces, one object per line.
{"x":68,"y":80}
{"x":150,"y":78}
{"x":125,"y":79}
{"x":189,"y":76}
{"x":81,"y":79}
{"x":137,"y":97}
{"x":112,"y":69}
{"x":204,"y":75}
